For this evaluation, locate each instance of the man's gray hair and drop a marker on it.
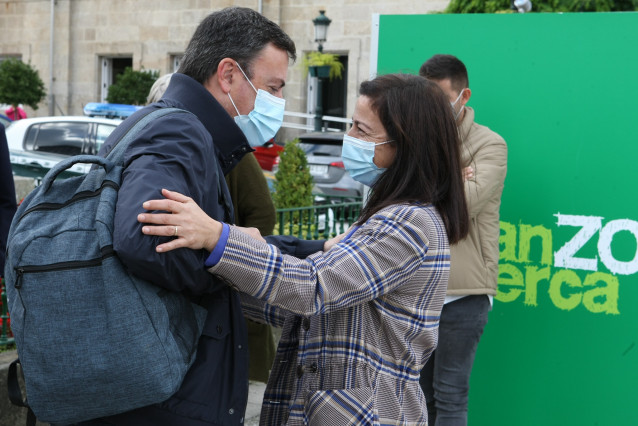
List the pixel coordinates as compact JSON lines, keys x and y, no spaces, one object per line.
{"x":235,"y":32}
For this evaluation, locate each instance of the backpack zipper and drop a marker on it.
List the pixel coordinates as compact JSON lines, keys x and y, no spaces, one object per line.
{"x":73,"y":264}
{"x":77,"y":197}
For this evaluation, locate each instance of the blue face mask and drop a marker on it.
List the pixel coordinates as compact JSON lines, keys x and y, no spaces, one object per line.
{"x":263,"y":122}
{"x":358,"y":156}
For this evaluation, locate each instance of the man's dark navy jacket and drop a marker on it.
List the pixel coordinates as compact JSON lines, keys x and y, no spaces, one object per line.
{"x":189,"y":154}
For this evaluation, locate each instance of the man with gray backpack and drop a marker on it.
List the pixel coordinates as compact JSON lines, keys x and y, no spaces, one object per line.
{"x":225,"y":98}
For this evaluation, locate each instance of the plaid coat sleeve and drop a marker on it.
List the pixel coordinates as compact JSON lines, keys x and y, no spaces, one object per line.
{"x":262,"y":312}
{"x":381,"y":255}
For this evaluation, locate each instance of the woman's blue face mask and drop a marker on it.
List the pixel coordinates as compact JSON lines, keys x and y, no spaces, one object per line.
{"x":264,"y":121}
{"x":358,"y":159}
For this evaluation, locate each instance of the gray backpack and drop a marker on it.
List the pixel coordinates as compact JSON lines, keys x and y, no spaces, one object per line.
{"x":92,"y":339}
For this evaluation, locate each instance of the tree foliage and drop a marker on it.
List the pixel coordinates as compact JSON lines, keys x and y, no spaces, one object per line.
{"x":131,"y":87}
{"x":494,"y":6}
{"x":293,"y":184}
{"x":20,"y":84}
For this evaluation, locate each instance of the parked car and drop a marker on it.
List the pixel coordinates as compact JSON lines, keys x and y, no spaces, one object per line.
{"x":270,"y":180}
{"x":323,"y":151}
{"x":106,"y":110}
{"x":5,"y":120}
{"x":37,"y":144}
{"x":268,"y":155}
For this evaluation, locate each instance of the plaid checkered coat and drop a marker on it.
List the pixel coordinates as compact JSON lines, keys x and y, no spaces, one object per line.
{"x":359,"y":321}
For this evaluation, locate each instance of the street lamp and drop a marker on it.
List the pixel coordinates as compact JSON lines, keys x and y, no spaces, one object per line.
{"x":521,"y":6}
{"x":321,"y":23}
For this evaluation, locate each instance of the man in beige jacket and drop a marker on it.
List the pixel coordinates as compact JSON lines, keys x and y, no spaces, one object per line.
{"x":445,"y":379}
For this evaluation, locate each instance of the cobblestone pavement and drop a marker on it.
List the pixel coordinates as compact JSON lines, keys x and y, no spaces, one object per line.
{"x":255,"y":394}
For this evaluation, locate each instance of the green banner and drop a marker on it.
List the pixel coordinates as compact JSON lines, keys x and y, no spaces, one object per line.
{"x":560,"y":345}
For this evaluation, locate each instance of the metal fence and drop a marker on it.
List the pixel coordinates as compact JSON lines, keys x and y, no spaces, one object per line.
{"x":6,"y":338}
{"x":321,"y":221}
{"x":303,"y":121}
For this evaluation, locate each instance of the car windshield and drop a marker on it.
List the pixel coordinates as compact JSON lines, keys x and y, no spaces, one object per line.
{"x":103,"y":132}
{"x":64,"y":138}
{"x":321,"y":149}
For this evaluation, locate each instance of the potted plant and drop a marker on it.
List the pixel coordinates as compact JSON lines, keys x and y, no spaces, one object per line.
{"x":320,"y":64}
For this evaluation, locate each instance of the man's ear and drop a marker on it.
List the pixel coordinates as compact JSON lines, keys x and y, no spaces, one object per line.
{"x":224,"y":75}
{"x":467,"y":94}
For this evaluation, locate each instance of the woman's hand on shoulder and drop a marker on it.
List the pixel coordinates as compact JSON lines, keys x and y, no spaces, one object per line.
{"x":185,"y":221}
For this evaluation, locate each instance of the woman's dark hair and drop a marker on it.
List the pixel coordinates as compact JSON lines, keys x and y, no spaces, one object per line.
{"x":417,"y":116}
{"x":235,"y":32}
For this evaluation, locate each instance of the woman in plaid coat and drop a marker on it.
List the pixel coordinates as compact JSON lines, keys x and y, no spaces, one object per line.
{"x":360,"y":318}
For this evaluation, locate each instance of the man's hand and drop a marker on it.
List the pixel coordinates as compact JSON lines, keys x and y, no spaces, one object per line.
{"x":251,"y":232}
{"x":331,"y":242}
{"x":468,"y":174}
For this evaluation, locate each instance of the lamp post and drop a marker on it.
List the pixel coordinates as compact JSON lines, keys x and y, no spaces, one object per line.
{"x":321,"y":24}
{"x":521,"y":6}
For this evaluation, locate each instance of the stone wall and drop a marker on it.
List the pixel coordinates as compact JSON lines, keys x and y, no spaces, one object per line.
{"x":150,"y":31}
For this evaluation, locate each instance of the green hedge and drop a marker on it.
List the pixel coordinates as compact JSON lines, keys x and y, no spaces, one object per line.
{"x":496,"y":6}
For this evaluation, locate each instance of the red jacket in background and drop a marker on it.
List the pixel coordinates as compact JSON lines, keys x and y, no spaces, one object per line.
{"x":11,"y":113}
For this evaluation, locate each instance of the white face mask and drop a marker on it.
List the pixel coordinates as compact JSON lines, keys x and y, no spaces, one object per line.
{"x":263,"y":122}
{"x":458,"y":98}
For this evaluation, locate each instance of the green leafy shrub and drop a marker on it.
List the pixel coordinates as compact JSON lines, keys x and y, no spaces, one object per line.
{"x":495,"y":6}
{"x":20,"y":84}
{"x":132,"y":87}
{"x":293,"y":184}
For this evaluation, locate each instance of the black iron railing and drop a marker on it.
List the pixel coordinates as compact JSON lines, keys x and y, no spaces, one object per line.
{"x":322,"y":221}
{"x":6,"y":338}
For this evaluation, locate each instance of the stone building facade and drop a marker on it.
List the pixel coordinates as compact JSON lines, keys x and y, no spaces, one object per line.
{"x":90,"y":40}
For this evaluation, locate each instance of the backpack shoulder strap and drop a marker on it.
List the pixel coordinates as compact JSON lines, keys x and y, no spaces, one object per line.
{"x":116,"y":154}
{"x":15,"y":394}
